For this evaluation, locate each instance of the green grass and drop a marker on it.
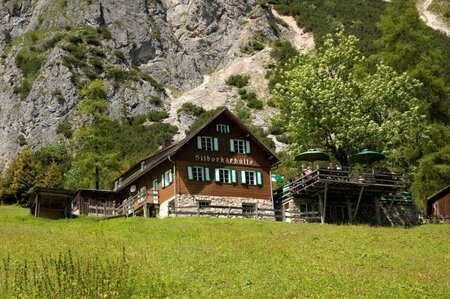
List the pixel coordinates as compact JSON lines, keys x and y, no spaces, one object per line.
{"x":212,"y":258}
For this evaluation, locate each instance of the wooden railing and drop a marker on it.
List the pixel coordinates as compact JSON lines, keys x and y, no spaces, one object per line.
{"x":337,"y":176}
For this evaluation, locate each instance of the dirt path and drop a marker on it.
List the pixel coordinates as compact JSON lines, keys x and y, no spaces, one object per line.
{"x":300,"y":39}
{"x":431,"y":19}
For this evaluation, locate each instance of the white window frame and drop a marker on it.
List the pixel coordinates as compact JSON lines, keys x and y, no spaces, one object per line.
{"x":155,"y":191}
{"x":207,"y":143}
{"x":219,"y":175}
{"x":142,"y":195}
{"x":204,"y":203}
{"x":257,"y":175}
{"x":167,"y":179}
{"x":194,"y":171}
{"x":240,"y":146}
{"x":223,"y":128}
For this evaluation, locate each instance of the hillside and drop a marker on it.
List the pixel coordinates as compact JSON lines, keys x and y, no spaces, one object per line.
{"x":214,"y":258}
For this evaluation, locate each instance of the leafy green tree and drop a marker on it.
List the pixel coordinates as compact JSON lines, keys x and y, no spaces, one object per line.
{"x":432,"y":175}
{"x":406,"y":46}
{"x":52,"y":177}
{"x":95,"y":161}
{"x":327,"y":101}
{"x":21,"y":178}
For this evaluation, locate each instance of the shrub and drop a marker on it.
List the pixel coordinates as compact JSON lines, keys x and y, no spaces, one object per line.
{"x":238,"y":81}
{"x":29,"y":62}
{"x":117,"y":74}
{"x":138,"y":120}
{"x":65,"y":129}
{"x":154,"y":100}
{"x":191,"y":109}
{"x":255,"y":103}
{"x":120,"y":56}
{"x":24,"y":89}
{"x":156,"y":116}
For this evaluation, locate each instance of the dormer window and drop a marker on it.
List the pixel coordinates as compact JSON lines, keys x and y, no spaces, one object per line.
{"x":222,"y":128}
{"x":207,"y":143}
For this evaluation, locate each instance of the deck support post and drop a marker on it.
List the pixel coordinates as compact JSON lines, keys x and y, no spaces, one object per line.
{"x":359,"y":200}
{"x":36,"y":209}
{"x":377,"y":211}
{"x":322,"y":220}
{"x":349,"y":207}
{"x":145,"y":208}
{"x":325,"y":202}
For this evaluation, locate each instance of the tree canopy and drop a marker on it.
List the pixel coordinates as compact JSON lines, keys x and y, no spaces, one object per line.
{"x":328,"y":101}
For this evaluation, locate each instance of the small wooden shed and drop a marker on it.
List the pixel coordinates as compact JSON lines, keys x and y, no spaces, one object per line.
{"x":438,"y":204}
{"x":52,"y":203}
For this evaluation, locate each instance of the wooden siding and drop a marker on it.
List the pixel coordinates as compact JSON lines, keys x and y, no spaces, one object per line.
{"x":442,"y":206}
{"x":186,"y":186}
{"x":147,"y":181}
{"x":190,"y":155}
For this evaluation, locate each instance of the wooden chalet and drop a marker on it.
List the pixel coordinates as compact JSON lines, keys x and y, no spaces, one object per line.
{"x":51,"y":203}
{"x":340,"y":196}
{"x":220,"y":168}
{"x":438,"y":205}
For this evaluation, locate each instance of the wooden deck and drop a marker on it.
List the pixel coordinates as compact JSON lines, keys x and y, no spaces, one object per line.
{"x":340,"y":182}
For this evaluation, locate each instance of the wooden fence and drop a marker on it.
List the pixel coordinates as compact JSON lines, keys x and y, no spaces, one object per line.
{"x":241,"y":212}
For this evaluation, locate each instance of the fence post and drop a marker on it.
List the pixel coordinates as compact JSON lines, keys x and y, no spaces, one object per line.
{"x":105,"y":213}
{"x":198,"y":209}
{"x":256,"y":211}
{"x":96,"y":210}
{"x":229,"y":211}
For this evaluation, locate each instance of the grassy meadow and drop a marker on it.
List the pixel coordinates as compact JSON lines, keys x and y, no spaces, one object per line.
{"x":212,"y":258}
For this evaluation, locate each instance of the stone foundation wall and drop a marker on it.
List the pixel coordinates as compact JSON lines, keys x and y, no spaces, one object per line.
{"x":188,"y":203}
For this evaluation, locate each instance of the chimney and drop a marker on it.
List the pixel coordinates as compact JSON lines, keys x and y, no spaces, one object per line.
{"x":167,"y":142}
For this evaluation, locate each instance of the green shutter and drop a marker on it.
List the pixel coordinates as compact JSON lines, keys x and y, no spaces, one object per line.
{"x":227,"y":128}
{"x":233,"y":176}
{"x":217,"y":175}
{"x":189,"y":170}
{"x":243,"y":181}
{"x":232,"y":145}
{"x":258,"y":178}
{"x":206,"y":172}
{"x":216,"y":144}
{"x":170,"y":177}
{"x":199,"y":142}
{"x":163,"y":181}
{"x":247,"y":147}
{"x":217,"y":128}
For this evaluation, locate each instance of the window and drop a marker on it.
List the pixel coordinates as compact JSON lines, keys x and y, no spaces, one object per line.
{"x":204,"y":203}
{"x":120,"y":183}
{"x":167,"y":178}
{"x":207,"y":143}
{"x":251,"y":177}
{"x":142,"y":165}
{"x":198,"y":173}
{"x":142,"y":195}
{"x":155,"y":191}
{"x":222,"y":128}
{"x":248,"y":208}
{"x":225,"y":175}
{"x":116,"y":185}
{"x":240,"y":146}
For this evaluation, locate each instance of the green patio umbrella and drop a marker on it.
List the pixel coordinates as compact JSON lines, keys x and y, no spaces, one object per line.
{"x":312,"y":155}
{"x":367,"y":157}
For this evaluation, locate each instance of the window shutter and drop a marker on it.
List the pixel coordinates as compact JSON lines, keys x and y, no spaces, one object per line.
{"x":232,"y":145}
{"x":247,"y":147}
{"x":216,"y":144}
{"x":206,"y":170}
{"x":199,"y":142}
{"x":189,"y":170}
{"x":243,"y":181}
{"x":163,"y":181}
{"x":233,"y":176}
{"x":227,"y":128}
{"x":170,"y":177}
{"x":217,"y":175}
{"x":258,"y":178}
{"x":217,"y":128}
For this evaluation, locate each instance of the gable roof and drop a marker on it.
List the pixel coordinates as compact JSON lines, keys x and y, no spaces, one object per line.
{"x":163,"y":154}
{"x":433,"y":198}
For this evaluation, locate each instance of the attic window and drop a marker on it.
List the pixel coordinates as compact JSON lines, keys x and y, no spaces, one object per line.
{"x":222,"y":128}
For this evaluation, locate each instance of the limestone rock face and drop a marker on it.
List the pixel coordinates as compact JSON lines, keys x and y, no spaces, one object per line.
{"x":159,"y":45}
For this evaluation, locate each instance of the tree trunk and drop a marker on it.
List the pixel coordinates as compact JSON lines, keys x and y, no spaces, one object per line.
{"x":97,"y":178}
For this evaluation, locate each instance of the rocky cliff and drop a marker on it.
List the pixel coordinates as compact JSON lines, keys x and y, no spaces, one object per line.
{"x":151,"y":54}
